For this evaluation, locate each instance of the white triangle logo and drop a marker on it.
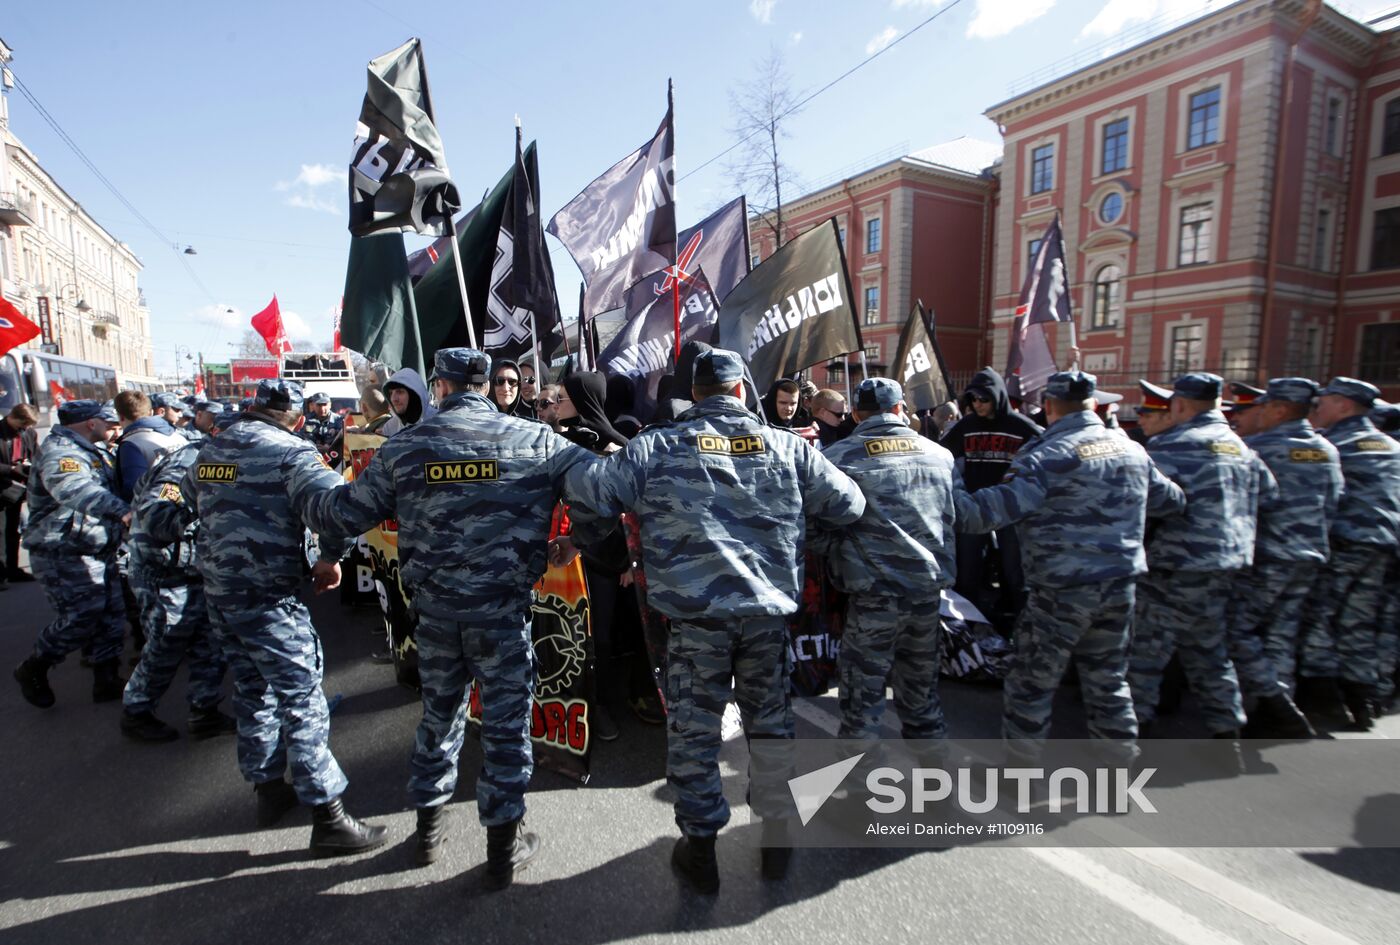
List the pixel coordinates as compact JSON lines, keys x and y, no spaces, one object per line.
{"x":810,"y":791}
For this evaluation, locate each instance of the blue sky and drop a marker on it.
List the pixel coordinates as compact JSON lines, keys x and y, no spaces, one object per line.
{"x":229,"y":125}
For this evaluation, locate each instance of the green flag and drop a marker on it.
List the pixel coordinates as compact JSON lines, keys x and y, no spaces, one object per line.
{"x":378,"y":317}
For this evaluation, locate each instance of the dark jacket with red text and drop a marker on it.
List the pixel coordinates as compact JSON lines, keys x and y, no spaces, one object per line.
{"x":984,"y":447}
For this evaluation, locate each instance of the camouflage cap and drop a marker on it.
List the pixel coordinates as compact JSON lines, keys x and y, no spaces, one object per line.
{"x":161,"y":400}
{"x":1290,"y":390}
{"x":1199,"y":385}
{"x":320,"y":397}
{"x":245,"y":403}
{"x":461,"y":366}
{"x":1154,"y":397}
{"x":226,"y":419}
{"x":278,"y":395}
{"x":1071,"y":385}
{"x":210,"y":406}
{"x":878,"y":395}
{"x":76,"y":411}
{"x":717,"y":367}
{"x":1352,"y":389}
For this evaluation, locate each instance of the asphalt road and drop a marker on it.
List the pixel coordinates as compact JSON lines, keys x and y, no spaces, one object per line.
{"x":104,"y":840}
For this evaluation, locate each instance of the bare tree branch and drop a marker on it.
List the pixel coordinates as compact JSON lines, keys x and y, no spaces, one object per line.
{"x":760,"y":109}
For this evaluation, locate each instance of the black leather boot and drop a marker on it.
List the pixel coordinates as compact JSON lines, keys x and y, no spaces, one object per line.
{"x":208,"y":722}
{"x":33,"y":678}
{"x":145,"y":727}
{"x":336,"y":833}
{"x":275,"y":798}
{"x":508,"y":849}
{"x":1277,"y":717}
{"x":1232,"y":762}
{"x":1321,"y":698}
{"x":1357,"y":697}
{"x":694,"y":859}
{"x":775,"y":854}
{"x":432,"y":834}
{"x":107,"y":686}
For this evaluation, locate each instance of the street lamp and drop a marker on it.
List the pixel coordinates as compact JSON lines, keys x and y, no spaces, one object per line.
{"x":82,"y":305}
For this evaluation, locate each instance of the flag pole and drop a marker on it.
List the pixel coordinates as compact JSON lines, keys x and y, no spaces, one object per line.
{"x":462,"y":283}
{"x":534,"y":337}
{"x":675,"y":264}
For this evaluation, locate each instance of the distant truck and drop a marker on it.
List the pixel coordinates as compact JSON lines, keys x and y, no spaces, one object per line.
{"x":328,"y":373}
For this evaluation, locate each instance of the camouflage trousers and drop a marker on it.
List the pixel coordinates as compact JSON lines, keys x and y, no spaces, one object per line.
{"x":176,"y":621}
{"x":705,"y":657}
{"x":1388,"y":641}
{"x":891,"y":641}
{"x":1184,"y":612}
{"x":1091,"y":625}
{"x":1344,"y":640}
{"x":85,"y":594}
{"x":1266,"y":609}
{"x":283,"y":721}
{"x":494,"y":648}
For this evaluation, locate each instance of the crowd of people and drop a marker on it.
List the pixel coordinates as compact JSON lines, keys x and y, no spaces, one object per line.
{"x":1257,"y":548}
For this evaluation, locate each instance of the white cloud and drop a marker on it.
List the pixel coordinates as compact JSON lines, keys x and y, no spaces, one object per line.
{"x":314,"y":175}
{"x":296,"y":328}
{"x":880,"y":40}
{"x":221,"y":316}
{"x":1118,"y":15}
{"x":993,"y":18}
{"x":313,"y":202}
{"x":309,"y":189}
{"x":762,"y":10}
{"x":795,"y":38}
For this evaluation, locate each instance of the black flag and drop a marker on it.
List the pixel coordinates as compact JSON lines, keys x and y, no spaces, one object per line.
{"x":718,"y":244}
{"x":643,"y":349}
{"x":622,"y":227}
{"x":398,"y":171}
{"x":378,"y":318}
{"x":919,"y":364}
{"x":522,"y":281}
{"x":794,"y":310}
{"x":1044,"y":298}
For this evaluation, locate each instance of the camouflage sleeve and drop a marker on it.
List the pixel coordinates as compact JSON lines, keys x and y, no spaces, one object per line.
{"x":166,"y":518}
{"x":606,"y":488}
{"x":563,"y":457}
{"x":308,"y":476}
{"x":1332,"y":496}
{"x":71,"y":483}
{"x":829,"y":496}
{"x":1016,"y":497}
{"x":1164,"y":497}
{"x":1269,"y":497}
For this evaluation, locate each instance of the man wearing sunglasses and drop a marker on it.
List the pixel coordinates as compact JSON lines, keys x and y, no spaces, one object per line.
{"x":984,"y":442}
{"x":833,"y":419}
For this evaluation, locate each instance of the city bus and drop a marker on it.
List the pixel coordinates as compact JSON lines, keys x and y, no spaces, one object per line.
{"x":47,"y":380}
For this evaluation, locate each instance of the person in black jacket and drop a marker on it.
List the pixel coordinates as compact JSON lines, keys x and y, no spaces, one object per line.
{"x":505,"y":390}
{"x":984,"y":442}
{"x":18,"y":444}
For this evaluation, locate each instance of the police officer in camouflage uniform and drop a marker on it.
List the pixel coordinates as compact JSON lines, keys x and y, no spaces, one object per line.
{"x":1081,"y":495}
{"x":893,"y":562}
{"x":170,"y":591}
{"x":1266,"y":605}
{"x":1343,"y":644}
{"x":473,"y":490}
{"x":1194,"y":559}
{"x":75,"y":527}
{"x":250,"y":487}
{"x":323,"y":427}
{"x":721,"y":499}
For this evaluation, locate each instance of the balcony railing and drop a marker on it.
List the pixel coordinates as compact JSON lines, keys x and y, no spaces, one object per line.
{"x":16,"y":212}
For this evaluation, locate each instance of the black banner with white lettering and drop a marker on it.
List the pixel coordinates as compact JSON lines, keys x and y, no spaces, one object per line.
{"x":622,"y":227}
{"x":718,"y":244}
{"x":919,"y":364}
{"x":398,"y":171}
{"x":522,"y":280}
{"x":643,"y":349}
{"x":795,"y":310}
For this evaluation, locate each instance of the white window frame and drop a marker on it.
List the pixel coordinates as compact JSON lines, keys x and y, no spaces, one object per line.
{"x":1183,"y":111}
{"x":1179,"y":224}
{"x":1108,"y":118}
{"x":1028,"y":148}
{"x":1336,"y":146}
{"x":865,"y":309}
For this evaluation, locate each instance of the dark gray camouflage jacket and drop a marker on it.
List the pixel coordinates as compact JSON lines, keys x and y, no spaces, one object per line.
{"x":157,"y":510}
{"x":1369,"y":512}
{"x":1081,"y":495}
{"x":1309,"y":477}
{"x":249,"y":487}
{"x":904,"y":544}
{"x":1225,"y":484}
{"x":73,"y":505}
{"x":473,"y":490}
{"x":722,"y":502}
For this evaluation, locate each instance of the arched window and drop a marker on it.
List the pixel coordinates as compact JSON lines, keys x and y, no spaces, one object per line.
{"x":1108,"y":297}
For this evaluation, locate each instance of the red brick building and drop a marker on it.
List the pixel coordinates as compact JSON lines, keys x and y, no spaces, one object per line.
{"x":915,"y":227}
{"x":1230,"y":193}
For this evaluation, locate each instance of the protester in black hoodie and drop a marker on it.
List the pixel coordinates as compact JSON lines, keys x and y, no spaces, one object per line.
{"x":984,"y":442}
{"x":676,"y":398}
{"x":619,"y":404}
{"x":506,"y":395}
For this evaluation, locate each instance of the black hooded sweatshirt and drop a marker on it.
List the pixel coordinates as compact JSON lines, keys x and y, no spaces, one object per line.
{"x":619,"y":404}
{"x":591,"y":428}
{"x":986,"y":446}
{"x":518,"y":408}
{"x":670,"y":407}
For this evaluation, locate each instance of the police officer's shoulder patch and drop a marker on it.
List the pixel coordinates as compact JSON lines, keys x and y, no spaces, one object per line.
{"x":66,"y":464}
{"x":748,"y":445}
{"x":886,"y":445}
{"x":1376,"y":444}
{"x":169,"y":492}
{"x":445,"y":472}
{"x":1098,"y":449}
{"x":216,"y":472}
{"x":1307,"y":454}
{"x":1226,"y":448}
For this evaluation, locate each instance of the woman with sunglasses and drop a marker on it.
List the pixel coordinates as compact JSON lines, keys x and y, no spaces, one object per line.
{"x":505,"y":390}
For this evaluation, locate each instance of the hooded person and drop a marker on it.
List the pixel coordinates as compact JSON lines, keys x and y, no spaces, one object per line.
{"x":583,"y":415}
{"x":504,"y":394}
{"x":408,"y":401}
{"x":984,"y":442}
{"x":619,"y":404}
{"x":678,"y":402}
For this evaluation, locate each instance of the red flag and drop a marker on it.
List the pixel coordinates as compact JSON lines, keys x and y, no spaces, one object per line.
{"x":59,"y":393}
{"x":335,"y":335}
{"x":15,"y":329}
{"x":268,"y":323}
{"x":199,"y":385}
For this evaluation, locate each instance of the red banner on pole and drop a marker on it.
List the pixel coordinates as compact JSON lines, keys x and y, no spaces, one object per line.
{"x":268,"y":323}
{"x":15,"y":329}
